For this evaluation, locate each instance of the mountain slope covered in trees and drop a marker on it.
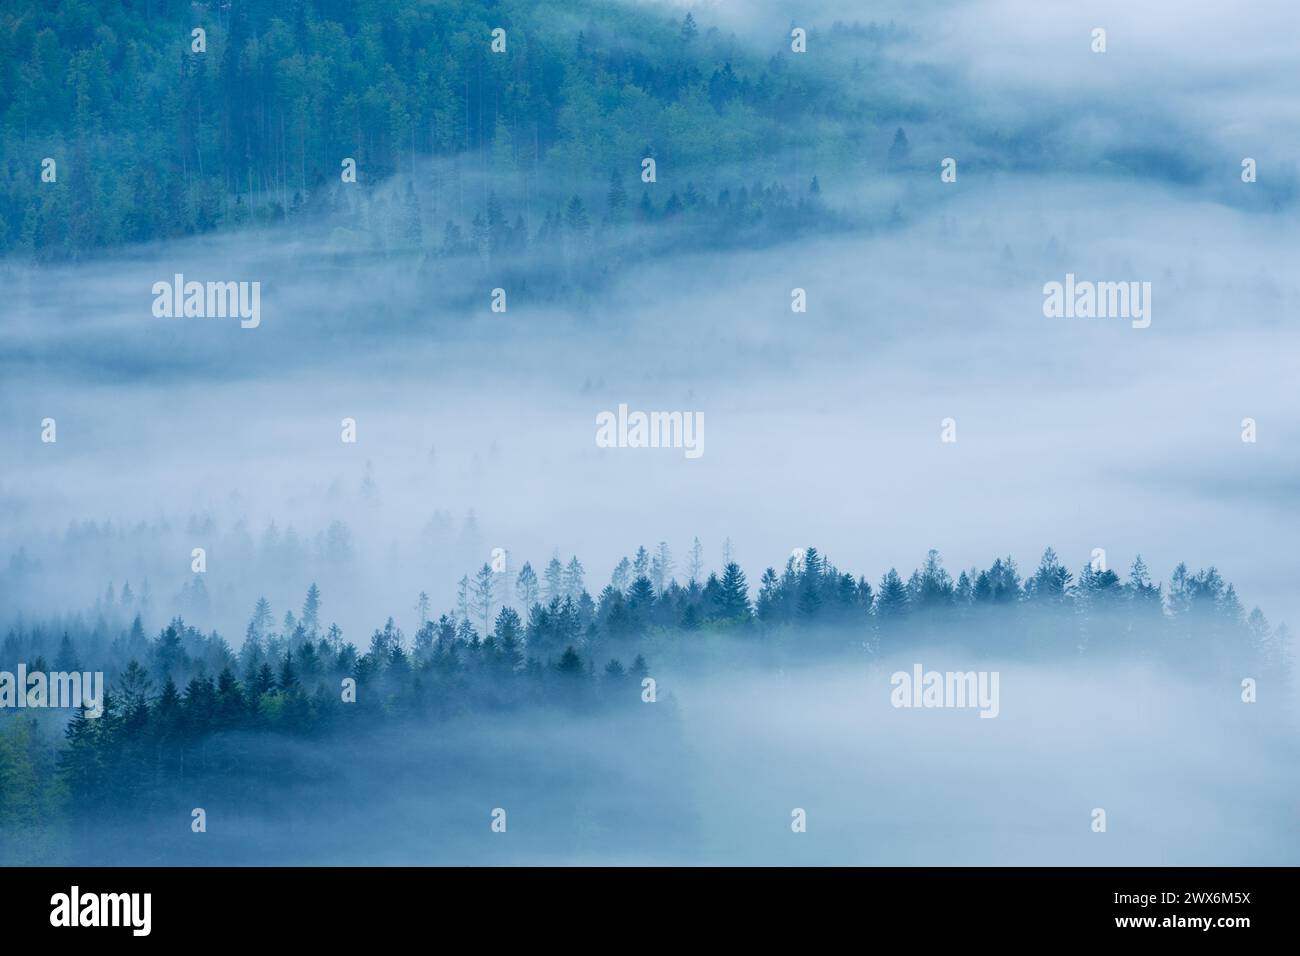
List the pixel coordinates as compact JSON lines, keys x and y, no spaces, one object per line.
{"x":183,"y":706}
{"x":154,"y":140}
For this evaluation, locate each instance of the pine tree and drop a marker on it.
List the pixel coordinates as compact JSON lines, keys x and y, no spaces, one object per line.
{"x":661,"y":567}
{"x":934,"y":589}
{"x":507,"y":626}
{"x":263,"y":682}
{"x":640,"y":602}
{"x":288,"y":678}
{"x":66,"y":659}
{"x":526,"y":590}
{"x":641,"y":563}
{"x":615,"y":197}
{"x":899,"y":151}
{"x":231,"y":705}
{"x":462,"y":597}
{"x":508,"y":633}
{"x":481,"y":598}
{"x":865,"y":598}
{"x":553,"y":587}
{"x":733,"y":602}
{"x":691,"y":618}
{"x":769,"y":597}
{"x":891,"y":601}
{"x":134,"y":685}
{"x":697,"y":560}
{"x":622,"y":576}
{"x":1051,"y":582}
{"x":570,"y":664}
{"x":81,"y":760}
{"x":167,"y":712}
{"x":1144,"y":596}
{"x":810,"y":601}
{"x":573,"y":579}
{"x":576,"y":219}
{"x":311,"y":611}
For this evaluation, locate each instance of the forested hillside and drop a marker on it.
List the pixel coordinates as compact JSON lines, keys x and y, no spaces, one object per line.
{"x":153,"y":140}
{"x":183,"y":708}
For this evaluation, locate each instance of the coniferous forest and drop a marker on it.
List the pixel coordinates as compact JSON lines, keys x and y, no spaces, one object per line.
{"x":422,"y":262}
{"x":163,"y":142}
{"x":186,"y":712}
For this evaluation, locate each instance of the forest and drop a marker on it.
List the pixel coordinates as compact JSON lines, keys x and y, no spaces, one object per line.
{"x":153,"y":140}
{"x":671,"y":708}
{"x":182,"y":705}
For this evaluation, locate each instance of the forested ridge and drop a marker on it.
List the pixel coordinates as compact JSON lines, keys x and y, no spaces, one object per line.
{"x":153,"y":140}
{"x":179,"y":703}
{"x":675,"y":707}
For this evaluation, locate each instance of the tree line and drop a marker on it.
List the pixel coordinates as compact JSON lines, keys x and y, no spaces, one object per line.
{"x":185,"y":706}
{"x":506,"y":624}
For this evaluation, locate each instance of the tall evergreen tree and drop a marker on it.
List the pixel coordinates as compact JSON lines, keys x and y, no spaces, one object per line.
{"x":481,"y":599}
{"x":553,"y":586}
{"x":733,"y":600}
{"x":526,"y":590}
{"x":311,"y":612}
{"x":573,"y":579}
{"x":661,"y":567}
{"x":891,"y":599}
{"x":615,"y":197}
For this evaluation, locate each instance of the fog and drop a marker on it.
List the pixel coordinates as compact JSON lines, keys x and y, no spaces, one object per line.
{"x":821,"y":428}
{"x":713,"y":772}
{"x":475,"y":431}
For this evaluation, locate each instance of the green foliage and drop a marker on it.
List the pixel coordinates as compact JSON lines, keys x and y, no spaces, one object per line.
{"x":154,"y":140}
{"x":169,"y":725}
{"x":32,"y":795}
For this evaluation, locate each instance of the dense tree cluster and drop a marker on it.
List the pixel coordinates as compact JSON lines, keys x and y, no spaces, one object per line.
{"x":180,"y":703}
{"x":155,"y":140}
{"x":184,"y":710}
